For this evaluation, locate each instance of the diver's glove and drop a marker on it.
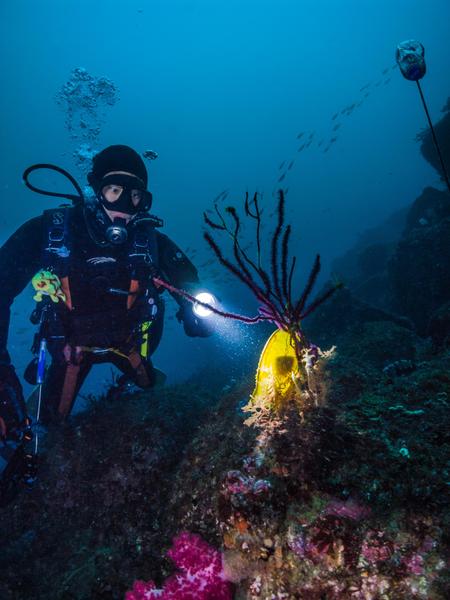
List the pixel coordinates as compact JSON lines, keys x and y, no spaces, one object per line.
{"x":194,"y":326}
{"x":13,"y":413}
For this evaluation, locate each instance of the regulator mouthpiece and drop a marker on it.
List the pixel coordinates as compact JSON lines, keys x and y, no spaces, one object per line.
{"x":117,"y":232}
{"x":199,"y":309}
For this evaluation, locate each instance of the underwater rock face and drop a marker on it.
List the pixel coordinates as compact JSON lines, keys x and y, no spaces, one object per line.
{"x":408,"y":277}
{"x":363,"y":268}
{"x":376,"y":344}
{"x":430,"y":209}
{"x":439,"y":326}
{"x":350,"y":502}
{"x":344,"y":313}
{"x":367,"y":518}
{"x":442,"y":130}
{"x":93,"y":522}
{"x":419,"y":268}
{"x":407,"y":273}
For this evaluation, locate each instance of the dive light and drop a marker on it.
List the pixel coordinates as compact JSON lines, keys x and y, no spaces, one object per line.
{"x":206,"y":298}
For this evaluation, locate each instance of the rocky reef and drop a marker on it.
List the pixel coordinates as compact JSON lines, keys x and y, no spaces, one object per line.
{"x":348,"y":501}
{"x":442,"y":129}
{"x":401,"y":266}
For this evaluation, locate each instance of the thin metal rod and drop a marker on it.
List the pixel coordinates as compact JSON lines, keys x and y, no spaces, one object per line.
{"x":444,"y":170}
{"x":38,"y":414}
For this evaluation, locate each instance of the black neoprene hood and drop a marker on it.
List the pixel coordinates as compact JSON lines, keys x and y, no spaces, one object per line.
{"x":117,"y":158}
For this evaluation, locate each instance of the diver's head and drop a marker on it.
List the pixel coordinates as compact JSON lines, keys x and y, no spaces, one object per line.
{"x":119,"y":179}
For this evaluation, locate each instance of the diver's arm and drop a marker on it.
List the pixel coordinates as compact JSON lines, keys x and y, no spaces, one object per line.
{"x":19,"y":261}
{"x":175,"y":265}
{"x":179,"y":271}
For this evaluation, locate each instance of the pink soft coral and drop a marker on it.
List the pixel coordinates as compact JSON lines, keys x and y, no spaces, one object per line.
{"x":375,"y":548}
{"x":414,"y":563}
{"x":141,"y":590}
{"x":200,"y":578}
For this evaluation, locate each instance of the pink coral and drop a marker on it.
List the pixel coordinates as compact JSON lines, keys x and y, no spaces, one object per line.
{"x":201,"y":575}
{"x":375,"y":548}
{"x":141,"y":590}
{"x":413,"y":563}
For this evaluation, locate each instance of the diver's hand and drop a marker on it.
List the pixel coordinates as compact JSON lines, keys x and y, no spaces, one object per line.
{"x":12,"y":404}
{"x":194,"y":326}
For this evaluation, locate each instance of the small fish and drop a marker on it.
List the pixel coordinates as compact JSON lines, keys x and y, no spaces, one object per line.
{"x":308,"y":144}
{"x":299,"y":135}
{"x":335,"y":116}
{"x":378,"y":83}
{"x":364,"y":87}
{"x":385,"y":71}
{"x":336,"y":127}
{"x":333,"y":139}
{"x":301,"y":147}
{"x":394,"y":67}
{"x":150,"y":154}
{"x":320,"y":143}
{"x":311,"y":135}
{"x":281,"y":166}
{"x":366,"y":95}
{"x":291,"y":164}
{"x":386,"y":81}
{"x":326,"y":149}
{"x":282,"y":177}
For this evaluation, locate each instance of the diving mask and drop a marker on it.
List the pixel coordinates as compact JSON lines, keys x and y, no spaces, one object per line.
{"x":124,"y":193}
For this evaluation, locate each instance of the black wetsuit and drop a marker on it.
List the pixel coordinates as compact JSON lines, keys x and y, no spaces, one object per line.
{"x":98,"y":318}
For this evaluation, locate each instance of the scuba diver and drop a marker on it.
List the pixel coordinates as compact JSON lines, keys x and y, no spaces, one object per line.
{"x":92,"y":265}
